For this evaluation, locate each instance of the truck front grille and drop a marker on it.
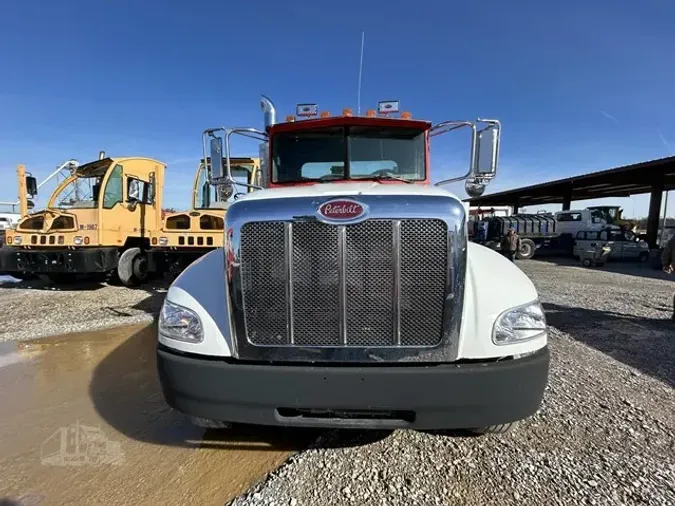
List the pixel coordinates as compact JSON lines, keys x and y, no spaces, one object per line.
{"x":379,"y":283}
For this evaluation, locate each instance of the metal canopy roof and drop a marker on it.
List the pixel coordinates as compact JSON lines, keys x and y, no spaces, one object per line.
{"x":619,"y":182}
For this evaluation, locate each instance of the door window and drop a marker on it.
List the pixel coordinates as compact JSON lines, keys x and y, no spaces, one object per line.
{"x":113,"y":189}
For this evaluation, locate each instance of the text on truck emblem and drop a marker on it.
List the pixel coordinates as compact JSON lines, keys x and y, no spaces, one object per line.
{"x":342,"y":210}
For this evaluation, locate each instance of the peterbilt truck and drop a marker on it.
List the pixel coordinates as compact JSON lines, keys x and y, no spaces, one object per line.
{"x":347,"y":293}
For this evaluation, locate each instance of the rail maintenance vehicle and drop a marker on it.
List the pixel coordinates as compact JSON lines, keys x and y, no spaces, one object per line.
{"x":104,"y":208}
{"x":347,"y":293}
{"x":187,"y":235}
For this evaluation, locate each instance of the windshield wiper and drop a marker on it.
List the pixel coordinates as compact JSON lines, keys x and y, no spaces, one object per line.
{"x":386,"y":176}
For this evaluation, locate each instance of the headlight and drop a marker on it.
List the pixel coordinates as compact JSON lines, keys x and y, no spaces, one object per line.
{"x":180,"y":323}
{"x":17,"y":240}
{"x":163,"y":241}
{"x":519,"y":324}
{"x":77,"y":240}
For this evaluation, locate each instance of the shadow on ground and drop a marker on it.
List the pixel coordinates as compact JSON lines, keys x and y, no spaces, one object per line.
{"x":647,"y":344}
{"x":630,"y":268}
{"x":42,"y":283}
{"x":125,"y":392}
{"x":80,"y":283}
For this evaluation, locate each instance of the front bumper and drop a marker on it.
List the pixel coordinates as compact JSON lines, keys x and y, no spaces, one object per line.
{"x":441,"y":396}
{"x":81,"y":260}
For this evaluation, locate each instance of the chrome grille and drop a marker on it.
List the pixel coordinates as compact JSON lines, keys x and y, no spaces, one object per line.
{"x":314,"y":289}
{"x":264,"y":283}
{"x":379,"y":283}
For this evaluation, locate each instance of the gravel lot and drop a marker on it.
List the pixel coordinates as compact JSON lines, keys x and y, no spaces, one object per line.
{"x":34,"y":309}
{"x":605,"y":434}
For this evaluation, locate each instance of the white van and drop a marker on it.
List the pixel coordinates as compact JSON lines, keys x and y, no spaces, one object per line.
{"x":571,"y":222}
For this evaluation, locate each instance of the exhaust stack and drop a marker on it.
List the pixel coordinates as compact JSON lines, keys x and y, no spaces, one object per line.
{"x":269,"y":111}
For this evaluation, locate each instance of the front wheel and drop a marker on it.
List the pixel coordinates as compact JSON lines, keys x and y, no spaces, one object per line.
{"x":644,"y":256}
{"x":132,"y":268}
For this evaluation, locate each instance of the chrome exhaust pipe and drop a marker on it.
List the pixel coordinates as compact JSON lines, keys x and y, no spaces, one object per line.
{"x":269,"y":111}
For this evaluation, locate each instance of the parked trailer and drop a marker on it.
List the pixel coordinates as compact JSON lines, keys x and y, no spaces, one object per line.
{"x":554,"y":233}
{"x":536,"y":231}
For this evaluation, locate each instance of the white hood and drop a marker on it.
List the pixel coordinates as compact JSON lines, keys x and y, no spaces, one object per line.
{"x":348,"y":190}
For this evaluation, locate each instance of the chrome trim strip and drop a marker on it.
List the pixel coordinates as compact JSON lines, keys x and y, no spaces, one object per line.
{"x":288,"y":249}
{"x":285,"y":209}
{"x":342,"y":281}
{"x":396,"y":299}
{"x":450,"y":291}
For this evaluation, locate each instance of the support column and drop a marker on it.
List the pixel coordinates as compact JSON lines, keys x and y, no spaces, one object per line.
{"x":654,"y":214}
{"x":567,"y":203}
{"x":515,"y":206}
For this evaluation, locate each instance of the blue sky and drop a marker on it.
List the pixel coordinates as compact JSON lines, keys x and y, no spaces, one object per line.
{"x":578,"y":87}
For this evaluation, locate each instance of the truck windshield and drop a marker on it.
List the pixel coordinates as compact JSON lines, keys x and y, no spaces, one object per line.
{"x":348,"y":153}
{"x":81,"y":193}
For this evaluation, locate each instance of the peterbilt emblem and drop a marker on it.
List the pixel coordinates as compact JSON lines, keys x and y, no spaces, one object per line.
{"x":342,"y":210}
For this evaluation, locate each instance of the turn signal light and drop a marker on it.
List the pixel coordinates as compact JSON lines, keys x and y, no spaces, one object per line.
{"x":154,"y":241}
{"x":406,"y":115}
{"x":325,"y":114}
{"x":86,"y":240}
{"x":290,"y":119}
{"x":346,"y":111}
{"x":370,"y":113}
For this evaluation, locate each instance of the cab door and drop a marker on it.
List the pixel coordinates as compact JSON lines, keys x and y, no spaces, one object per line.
{"x":123,"y":207}
{"x":139,"y":201}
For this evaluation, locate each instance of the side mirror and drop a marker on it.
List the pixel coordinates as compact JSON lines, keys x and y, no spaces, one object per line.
{"x":263,"y":153}
{"x":31,"y":186}
{"x":487,"y":152}
{"x":216,"y":149}
{"x":133,"y":190}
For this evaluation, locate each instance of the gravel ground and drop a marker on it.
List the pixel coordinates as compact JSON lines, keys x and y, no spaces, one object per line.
{"x":33,"y":309}
{"x":605,"y":434}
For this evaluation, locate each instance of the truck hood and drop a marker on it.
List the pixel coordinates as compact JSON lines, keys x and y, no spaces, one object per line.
{"x":348,"y":190}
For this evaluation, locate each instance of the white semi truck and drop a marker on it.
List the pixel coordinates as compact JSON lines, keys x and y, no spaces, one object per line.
{"x":347,"y":293}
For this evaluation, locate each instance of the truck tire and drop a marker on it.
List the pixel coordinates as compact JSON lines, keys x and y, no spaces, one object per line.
{"x":526,"y":250}
{"x":644,"y":257}
{"x":494,"y":429}
{"x":132,"y":267}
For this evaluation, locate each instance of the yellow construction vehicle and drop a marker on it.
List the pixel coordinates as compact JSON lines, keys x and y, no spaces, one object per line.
{"x":104,"y":209}
{"x":614,"y":216}
{"x":187,"y":235}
